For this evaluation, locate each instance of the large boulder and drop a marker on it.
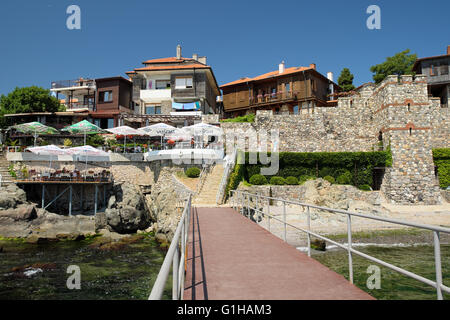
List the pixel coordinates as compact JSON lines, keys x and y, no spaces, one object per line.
{"x":11,"y":196}
{"x":126,"y":212}
{"x":22,"y":212}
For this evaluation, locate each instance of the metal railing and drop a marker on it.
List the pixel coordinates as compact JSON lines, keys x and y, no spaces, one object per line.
{"x":202,"y":178}
{"x":175,"y":258}
{"x":241,"y":201}
{"x":73,"y":83}
{"x":227,"y":168}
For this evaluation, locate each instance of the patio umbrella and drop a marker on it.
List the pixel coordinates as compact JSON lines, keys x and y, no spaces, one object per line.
{"x":126,"y":131}
{"x":50,"y":150}
{"x":202,"y":129}
{"x":34,"y":128}
{"x":180,"y":134}
{"x":84,"y":127}
{"x":158,"y":130}
{"x":47,"y":150}
{"x":87,"y":151}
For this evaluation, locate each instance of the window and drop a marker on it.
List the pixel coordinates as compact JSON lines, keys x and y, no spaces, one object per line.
{"x":433,"y":70}
{"x":287,"y":87}
{"x":105,"y":96}
{"x":183,"y":83}
{"x":444,"y":69}
{"x":153,"y":110}
{"x":110,"y":123}
{"x":162,"y":84}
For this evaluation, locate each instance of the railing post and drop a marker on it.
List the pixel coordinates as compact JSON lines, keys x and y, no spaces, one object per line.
{"x":175,"y":274}
{"x":437,"y":262}
{"x":268,"y":213}
{"x":308,"y":219}
{"x":256,"y":208}
{"x":284,"y":219}
{"x":248,"y":205}
{"x":349,"y":245}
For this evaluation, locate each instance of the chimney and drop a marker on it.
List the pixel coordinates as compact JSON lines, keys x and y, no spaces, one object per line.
{"x":330,"y":86}
{"x":281,"y":67}
{"x":195,"y":57}
{"x":330,"y":76}
{"x":448,"y":49}
{"x":178,"y":52}
{"x":202,"y":60}
{"x":313,"y":66}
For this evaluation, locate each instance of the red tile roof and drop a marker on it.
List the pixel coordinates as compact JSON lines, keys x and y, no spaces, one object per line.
{"x":268,"y":75}
{"x":167,"y":60}
{"x":173,"y":67}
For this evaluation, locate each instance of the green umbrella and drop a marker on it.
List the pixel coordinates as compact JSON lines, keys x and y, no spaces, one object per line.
{"x":84,"y":127}
{"x":35,"y":128}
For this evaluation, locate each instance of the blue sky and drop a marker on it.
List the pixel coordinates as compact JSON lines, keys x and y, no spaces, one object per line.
{"x":239,"y":38}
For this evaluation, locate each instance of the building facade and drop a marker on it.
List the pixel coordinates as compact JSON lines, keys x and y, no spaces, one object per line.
{"x":101,"y":100}
{"x":437,"y":71}
{"x":287,"y":90}
{"x":174,"y":88}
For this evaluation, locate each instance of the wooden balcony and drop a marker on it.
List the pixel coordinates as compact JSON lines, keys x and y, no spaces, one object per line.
{"x":270,"y":98}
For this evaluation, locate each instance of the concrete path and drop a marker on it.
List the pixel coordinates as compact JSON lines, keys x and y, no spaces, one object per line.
{"x":231,"y":258}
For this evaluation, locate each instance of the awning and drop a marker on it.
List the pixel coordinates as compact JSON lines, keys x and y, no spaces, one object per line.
{"x":186,"y":106}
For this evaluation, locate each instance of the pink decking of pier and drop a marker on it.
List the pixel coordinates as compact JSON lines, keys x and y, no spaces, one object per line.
{"x":232,"y":258}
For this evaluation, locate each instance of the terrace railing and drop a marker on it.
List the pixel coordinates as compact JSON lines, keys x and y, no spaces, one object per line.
{"x":242,"y":202}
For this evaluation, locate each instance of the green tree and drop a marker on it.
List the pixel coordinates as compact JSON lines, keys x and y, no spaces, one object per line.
{"x":345,"y":80}
{"x":399,"y":64}
{"x":26,"y":100}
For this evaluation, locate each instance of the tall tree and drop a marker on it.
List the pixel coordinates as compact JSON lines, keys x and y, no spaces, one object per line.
{"x":399,"y":64}
{"x":26,"y":100}
{"x":345,"y":80}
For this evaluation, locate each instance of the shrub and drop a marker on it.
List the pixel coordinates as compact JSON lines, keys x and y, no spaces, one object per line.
{"x":291,"y":181}
{"x":326,"y":171}
{"x":193,"y":172}
{"x":442,"y":161}
{"x":246,"y":118}
{"x":365,"y":187}
{"x":279,"y":181}
{"x":95,"y":140}
{"x":345,"y":178}
{"x":330,"y":179}
{"x":305,"y":178}
{"x":258,"y":179}
{"x":67,"y":142}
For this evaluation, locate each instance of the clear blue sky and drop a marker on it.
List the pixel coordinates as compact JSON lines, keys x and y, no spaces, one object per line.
{"x":239,"y":38}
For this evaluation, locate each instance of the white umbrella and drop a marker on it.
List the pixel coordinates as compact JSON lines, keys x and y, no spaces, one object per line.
{"x":87,"y":151}
{"x":202,"y":129}
{"x":158,"y":130}
{"x":47,"y":150}
{"x":126,"y":131}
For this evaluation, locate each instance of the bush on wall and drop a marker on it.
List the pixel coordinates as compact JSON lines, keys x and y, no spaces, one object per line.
{"x":441,"y":159}
{"x":357,"y":167}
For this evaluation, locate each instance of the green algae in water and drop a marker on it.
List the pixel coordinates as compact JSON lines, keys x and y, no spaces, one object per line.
{"x":394,"y":286}
{"x":126,"y":272}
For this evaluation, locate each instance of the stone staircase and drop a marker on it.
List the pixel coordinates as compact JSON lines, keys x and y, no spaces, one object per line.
{"x":208,"y":193}
{"x":4,"y":171}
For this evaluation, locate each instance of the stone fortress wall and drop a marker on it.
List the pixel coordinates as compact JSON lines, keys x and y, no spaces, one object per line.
{"x":398,"y":111}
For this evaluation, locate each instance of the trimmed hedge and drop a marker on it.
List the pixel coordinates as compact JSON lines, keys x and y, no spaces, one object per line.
{"x":291,"y":181}
{"x":356,"y":166}
{"x":258,"y":179}
{"x":278,"y":181}
{"x":330,"y":179}
{"x":193,"y":172}
{"x":441,"y":159}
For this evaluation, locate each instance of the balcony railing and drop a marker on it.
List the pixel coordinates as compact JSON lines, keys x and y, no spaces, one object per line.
{"x":272,"y":97}
{"x":80,"y":105}
{"x":73,"y":83}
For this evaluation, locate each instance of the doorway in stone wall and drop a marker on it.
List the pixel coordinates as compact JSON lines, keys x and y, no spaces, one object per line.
{"x":377,"y":177}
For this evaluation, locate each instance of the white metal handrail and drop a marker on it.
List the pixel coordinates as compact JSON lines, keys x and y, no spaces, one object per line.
{"x":240,"y":197}
{"x":228,"y":167}
{"x":175,"y":257}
